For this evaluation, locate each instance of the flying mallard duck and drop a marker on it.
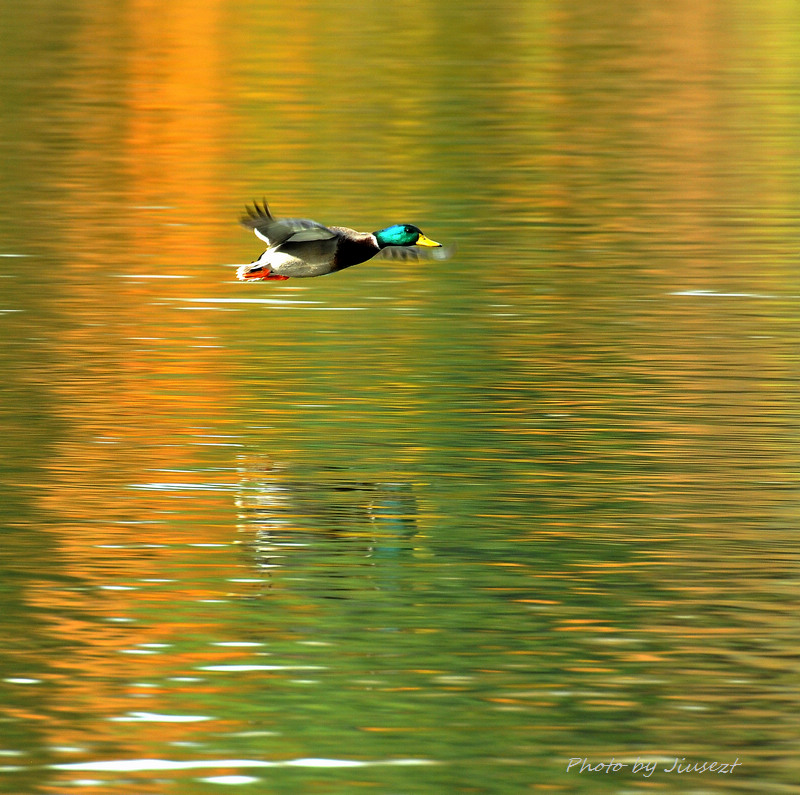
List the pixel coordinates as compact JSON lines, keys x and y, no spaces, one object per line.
{"x":298,"y":247}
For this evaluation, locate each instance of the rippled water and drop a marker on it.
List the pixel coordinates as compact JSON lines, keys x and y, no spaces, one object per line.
{"x":466,"y":527}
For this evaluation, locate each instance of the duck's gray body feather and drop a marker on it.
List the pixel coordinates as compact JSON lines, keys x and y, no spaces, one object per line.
{"x":300,"y":247}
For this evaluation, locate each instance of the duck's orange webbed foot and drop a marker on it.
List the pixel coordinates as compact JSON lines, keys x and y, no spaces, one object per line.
{"x":248,"y":273}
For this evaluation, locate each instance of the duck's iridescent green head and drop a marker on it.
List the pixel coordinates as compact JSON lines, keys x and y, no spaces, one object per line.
{"x":403,"y":235}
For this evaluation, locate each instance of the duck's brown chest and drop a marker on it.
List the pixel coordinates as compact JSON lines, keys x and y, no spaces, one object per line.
{"x":354,"y":249}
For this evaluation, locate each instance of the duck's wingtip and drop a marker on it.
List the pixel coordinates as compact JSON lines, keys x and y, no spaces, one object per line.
{"x":256,"y":214}
{"x":447,"y":251}
{"x":439,"y":253}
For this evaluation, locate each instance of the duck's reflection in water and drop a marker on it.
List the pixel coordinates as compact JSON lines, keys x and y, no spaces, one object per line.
{"x":326,"y":523}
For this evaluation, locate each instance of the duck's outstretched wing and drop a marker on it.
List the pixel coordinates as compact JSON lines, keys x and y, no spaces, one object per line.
{"x":277,"y":231}
{"x":417,"y":252}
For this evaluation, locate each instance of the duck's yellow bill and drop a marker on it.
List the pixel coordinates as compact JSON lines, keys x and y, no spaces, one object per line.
{"x":426,"y":241}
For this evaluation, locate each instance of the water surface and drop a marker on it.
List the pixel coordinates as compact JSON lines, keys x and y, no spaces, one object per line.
{"x":411,"y":527}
